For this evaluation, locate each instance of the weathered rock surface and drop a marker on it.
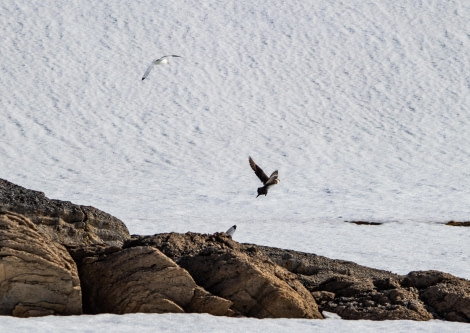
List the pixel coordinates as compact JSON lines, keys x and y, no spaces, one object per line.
{"x":446,"y":295}
{"x":142,"y":279}
{"x":256,"y":286}
{"x":348,"y":289}
{"x":63,"y":221}
{"x":42,"y":242}
{"x":358,"y":292}
{"x":37,"y":277}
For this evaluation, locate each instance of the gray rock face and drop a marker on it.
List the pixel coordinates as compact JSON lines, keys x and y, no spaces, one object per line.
{"x":37,"y":277}
{"x":62,"y":221}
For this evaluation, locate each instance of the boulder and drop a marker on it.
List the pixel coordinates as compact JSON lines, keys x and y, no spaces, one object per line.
{"x":350,"y":290}
{"x":256,"y":286}
{"x":448,"y":296}
{"x":142,"y":279}
{"x":42,"y":241}
{"x":37,"y":277}
{"x":358,"y":292}
{"x":63,"y":221}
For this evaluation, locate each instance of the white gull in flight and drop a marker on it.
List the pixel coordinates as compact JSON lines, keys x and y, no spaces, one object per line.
{"x":162,"y":60}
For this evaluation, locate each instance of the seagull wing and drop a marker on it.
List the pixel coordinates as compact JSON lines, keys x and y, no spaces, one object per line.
{"x":258,"y":171}
{"x":272,"y":179}
{"x":157,"y":62}
{"x":147,"y":72}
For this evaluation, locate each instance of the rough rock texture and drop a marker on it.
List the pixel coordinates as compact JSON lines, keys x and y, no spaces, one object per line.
{"x":358,"y":292}
{"x":142,"y":279}
{"x":37,"y":277}
{"x":43,"y":241}
{"x":63,"y":221}
{"x":256,"y":286}
{"x":447,"y":295}
{"x":348,"y":289}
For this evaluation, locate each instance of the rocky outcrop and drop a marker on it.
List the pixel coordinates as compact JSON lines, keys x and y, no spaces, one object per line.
{"x":358,"y":292}
{"x":447,"y":296}
{"x":37,"y":277}
{"x":142,"y":279}
{"x":256,"y":286}
{"x":52,"y":252}
{"x":62,"y":221}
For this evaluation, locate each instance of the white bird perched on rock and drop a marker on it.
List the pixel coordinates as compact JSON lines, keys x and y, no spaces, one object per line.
{"x":162,"y":60}
{"x":231,"y":231}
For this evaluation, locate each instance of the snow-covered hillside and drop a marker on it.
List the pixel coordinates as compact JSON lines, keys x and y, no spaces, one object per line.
{"x":361,"y":106}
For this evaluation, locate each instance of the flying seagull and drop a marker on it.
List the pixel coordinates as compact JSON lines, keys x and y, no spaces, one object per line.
{"x":267,"y":181}
{"x":162,"y":60}
{"x":231,"y":231}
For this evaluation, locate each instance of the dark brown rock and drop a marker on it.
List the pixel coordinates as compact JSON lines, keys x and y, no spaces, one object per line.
{"x":319,"y":269}
{"x":351,"y":290}
{"x":62,"y":221}
{"x":459,"y":223}
{"x":37,"y":277}
{"x":358,"y":292}
{"x":447,"y":295}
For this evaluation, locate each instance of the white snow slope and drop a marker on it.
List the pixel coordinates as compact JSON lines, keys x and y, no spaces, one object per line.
{"x":361,"y":106}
